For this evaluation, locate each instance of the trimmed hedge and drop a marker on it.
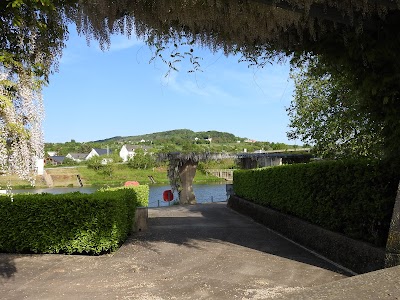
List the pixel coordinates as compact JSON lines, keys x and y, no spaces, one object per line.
{"x":69,"y":223}
{"x":354,"y":197}
{"x":141,"y":193}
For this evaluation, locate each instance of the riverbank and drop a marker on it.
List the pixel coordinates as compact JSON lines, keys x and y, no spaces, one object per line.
{"x":68,"y":177}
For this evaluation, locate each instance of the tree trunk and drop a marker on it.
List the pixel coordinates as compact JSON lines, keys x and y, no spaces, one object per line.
{"x":392,"y":257}
{"x":186,"y":174}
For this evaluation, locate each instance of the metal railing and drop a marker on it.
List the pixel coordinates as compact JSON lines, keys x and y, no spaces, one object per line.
{"x":226,"y":174}
{"x":162,"y":203}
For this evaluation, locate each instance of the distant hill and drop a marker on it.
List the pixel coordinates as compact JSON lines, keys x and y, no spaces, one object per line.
{"x":178,"y":134}
{"x":173,"y":140}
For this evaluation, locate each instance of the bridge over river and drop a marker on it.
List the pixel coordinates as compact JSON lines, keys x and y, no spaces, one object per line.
{"x":226,"y":174}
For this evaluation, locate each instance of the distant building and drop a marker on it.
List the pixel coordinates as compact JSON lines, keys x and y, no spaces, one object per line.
{"x":128,"y":151}
{"x":98,"y":152}
{"x":54,"y":160}
{"x":250,"y":141}
{"x":78,"y":157}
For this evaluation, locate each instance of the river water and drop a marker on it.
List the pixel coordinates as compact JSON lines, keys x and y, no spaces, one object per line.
{"x":204,"y":193}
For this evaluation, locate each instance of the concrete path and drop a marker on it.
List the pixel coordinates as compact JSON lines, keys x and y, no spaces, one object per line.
{"x":204,"y":251}
{"x":381,"y":284}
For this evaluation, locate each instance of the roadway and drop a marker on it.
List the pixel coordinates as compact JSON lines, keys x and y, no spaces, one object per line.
{"x":204,"y":251}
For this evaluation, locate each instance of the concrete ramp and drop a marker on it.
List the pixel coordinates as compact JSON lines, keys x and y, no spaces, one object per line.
{"x":382,"y":284}
{"x":204,"y":251}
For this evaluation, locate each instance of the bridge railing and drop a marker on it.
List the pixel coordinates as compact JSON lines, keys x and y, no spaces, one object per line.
{"x":226,"y":174}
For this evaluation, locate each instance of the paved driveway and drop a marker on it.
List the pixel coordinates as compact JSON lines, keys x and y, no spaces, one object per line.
{"x":204,"y":251}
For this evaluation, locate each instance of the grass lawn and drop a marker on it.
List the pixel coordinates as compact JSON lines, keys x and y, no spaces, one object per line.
{"x":17,"y":183}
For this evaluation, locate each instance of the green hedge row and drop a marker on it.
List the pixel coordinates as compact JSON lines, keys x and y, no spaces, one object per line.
{"x":354,"y":197}
{"x":69,"y":223}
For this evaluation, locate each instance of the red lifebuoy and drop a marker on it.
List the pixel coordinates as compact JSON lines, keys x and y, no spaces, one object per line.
{"x":168,"y":195}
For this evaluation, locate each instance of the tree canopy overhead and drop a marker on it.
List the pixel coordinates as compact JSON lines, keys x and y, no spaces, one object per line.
{"x":234,"y":25}
{"x":32,"y":34}
{"x":357,"y":40}
{"x":260,"y":29}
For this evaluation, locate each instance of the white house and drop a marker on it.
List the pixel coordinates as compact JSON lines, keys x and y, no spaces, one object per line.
{"x":128,"y":151}
{"x":78,"y":157}
{"x":98,"y":152}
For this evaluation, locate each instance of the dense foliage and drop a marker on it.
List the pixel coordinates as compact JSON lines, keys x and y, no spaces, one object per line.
{"x":178,"y":134}
{"x":354,"y":197}
{"x":31,"y":37}
{"x":142,"y":160}
{"x":326,"y":113}
{"x":103,"y":165}
{"x":69,"y":223}
{"x":32,"y":34}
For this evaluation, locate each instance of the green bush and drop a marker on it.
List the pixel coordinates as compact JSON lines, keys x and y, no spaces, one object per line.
{"x":142,"y":160}
{"x":141,"y":193}
{"x":69,"y":223}
{"x":354,"y":197}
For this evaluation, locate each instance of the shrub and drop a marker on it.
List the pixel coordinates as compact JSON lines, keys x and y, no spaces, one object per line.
{"x":140,"y":195}
{"x":354,"y":197}
{"x":142,"y":160}
{"x":69,"y":223}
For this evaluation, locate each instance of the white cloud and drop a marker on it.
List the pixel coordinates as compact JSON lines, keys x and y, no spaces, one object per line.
{"x":205,"y":91}
{"x":263,"y":85}
{"x":233,"y":86}
{"x":121,"y":42}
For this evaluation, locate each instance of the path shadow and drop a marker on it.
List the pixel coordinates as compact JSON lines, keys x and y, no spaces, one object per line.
{"x":7,"y":267}
{"x":217,"y":223}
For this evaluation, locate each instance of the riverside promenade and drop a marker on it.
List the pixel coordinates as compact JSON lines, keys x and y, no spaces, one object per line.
{"x":204,"y":251}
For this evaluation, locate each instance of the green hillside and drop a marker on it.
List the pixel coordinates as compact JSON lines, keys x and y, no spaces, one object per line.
{"x":170,"y":141}
{"x":178,"y":134}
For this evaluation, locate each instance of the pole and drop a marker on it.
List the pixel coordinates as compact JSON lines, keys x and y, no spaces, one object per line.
{"x":392,"y":257}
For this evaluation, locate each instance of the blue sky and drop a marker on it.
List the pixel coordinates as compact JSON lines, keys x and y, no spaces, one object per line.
{"x":97,"y":95}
